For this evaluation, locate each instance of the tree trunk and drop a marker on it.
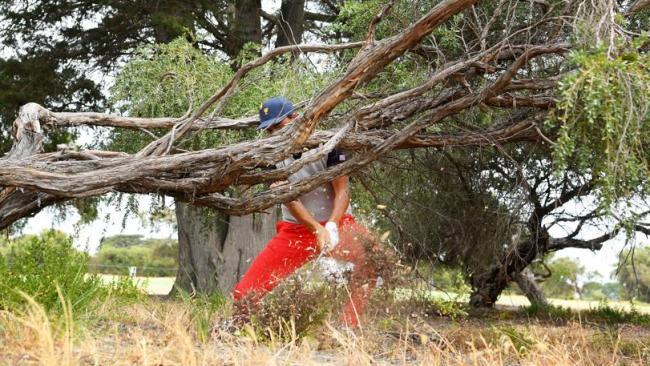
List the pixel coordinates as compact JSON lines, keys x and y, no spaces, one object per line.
{"x":488,"y":285}
{"x":246,"y":26}
{"x":290,"y":23}
{"x":201,"y":236}
{"x":247,"y":236}
{"x":214,"y":249}
{"x":526,"y":282}
{"x":487,"y":288}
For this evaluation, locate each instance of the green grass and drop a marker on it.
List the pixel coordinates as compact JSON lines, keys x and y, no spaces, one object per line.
{"x":162,"y":286}
{"x":152,"y":285}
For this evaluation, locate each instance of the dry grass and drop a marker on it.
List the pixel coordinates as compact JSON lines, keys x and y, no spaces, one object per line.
{"x":159,"y":332}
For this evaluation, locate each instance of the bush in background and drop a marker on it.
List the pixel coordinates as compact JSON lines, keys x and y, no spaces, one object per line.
{"x":152,"y":257}
{"x":634,"y":273}
{"x":35,"y":265}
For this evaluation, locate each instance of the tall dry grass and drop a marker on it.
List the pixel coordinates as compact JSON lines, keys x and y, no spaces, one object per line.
{"x":158,"y":332}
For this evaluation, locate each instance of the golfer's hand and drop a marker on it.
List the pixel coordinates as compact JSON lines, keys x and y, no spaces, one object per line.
{"x":322,"y":237}
{"x":333,"y":230}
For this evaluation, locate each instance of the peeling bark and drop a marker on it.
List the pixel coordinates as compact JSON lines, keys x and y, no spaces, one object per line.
{"x":17,"y":203}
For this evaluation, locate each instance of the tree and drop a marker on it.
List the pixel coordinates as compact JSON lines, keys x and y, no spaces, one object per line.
{"x":634,"y":273}
{"x":564,"y":279}
{"x":121,"y":241}
{"x":594,"y":290}
{"x":220,"y":26}
{"x":530,"y":83}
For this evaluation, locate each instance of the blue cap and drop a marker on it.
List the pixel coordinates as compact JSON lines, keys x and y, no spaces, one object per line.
{"x":273,"y":111}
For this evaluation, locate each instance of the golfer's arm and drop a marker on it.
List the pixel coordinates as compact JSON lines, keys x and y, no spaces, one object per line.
{"x":341,"y":187}
{"x":298,"y":210}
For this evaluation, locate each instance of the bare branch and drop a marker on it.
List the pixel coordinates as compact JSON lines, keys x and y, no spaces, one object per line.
{"x":555,"y":244}
{"x":372,"y":27}
{"x":67,"y":119}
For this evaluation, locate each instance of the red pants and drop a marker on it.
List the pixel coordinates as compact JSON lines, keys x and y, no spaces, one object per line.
{"x":292,"y":247}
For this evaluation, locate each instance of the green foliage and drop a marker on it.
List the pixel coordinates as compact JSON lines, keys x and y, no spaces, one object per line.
{"x":551,"y":311}
{"x":355,"y":16}
{"x":603,"y":313}
{"x":634,"y":273}
{"x":563,"y":282}
{"x":611,"y":315}
{"x":126,"y":241}
{"x":449,"y":279}
{"x":165,"y":80}
{"x":169,"y":79}
{"x":444,"y":278}
{"x":593,"y":290}
{"x":121,"y":241}
{"x":569,"y":280}
{"x":410,"y":70}
{"x":428,"y":304}
{"x":36,"y":265}
{"x":603,"y":116}
{"x":153,"y":257}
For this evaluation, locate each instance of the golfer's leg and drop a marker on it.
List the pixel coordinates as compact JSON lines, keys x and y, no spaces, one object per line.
{"x":355,"y":241}
{"x":283,"y":255}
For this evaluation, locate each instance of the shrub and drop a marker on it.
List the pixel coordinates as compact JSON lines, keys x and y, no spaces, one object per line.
{"x":35,"y":265}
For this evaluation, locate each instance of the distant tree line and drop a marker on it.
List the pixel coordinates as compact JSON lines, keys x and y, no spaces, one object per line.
{"x":152,"y":257}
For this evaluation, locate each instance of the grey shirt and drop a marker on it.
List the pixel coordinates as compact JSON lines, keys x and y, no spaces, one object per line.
{"x":319,"y":201}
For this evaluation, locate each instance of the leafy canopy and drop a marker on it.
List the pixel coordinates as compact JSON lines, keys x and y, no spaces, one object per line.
{"x":603,"y":115}
{"x":169,"y":79}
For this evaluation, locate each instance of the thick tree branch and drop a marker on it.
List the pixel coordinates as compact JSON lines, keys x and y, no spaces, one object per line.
{"x":368,"y":64}
{"x":65,"y":119}
{"x":555,"y":244}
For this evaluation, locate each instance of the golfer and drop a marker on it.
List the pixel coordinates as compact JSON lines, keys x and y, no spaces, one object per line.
{"x":318,"y":221}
